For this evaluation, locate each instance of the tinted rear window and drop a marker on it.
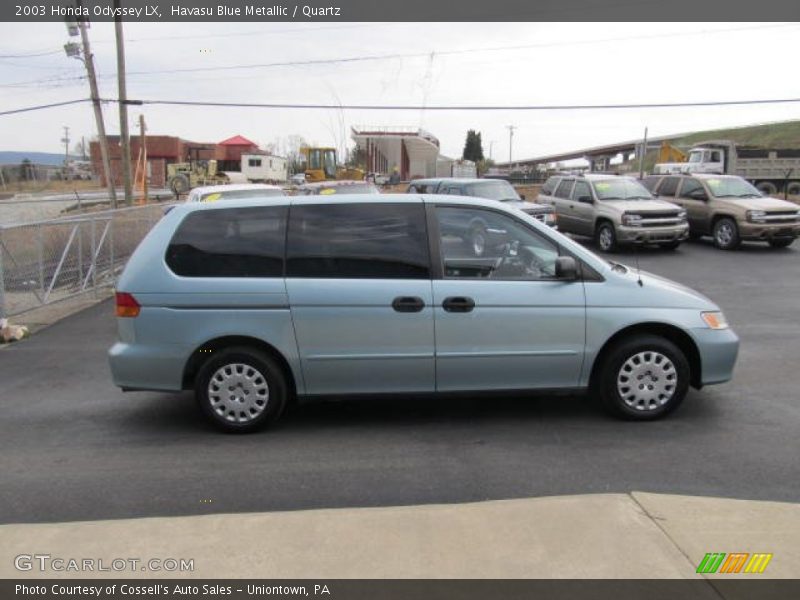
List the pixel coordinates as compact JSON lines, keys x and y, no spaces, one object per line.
{"x":369,"y":241}
{"x":550,"y":185}
{"x":231,"y":242}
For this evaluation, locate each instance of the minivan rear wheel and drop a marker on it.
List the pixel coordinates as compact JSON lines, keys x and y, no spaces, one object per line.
{"x":241,"y":389}
{"x":643,"y":378}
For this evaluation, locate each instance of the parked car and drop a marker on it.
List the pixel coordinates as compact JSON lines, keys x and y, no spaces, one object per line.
{"x":233,"y":191}
{"x":254,"y":303}
{"x":341,"y":186}
{"x":729,"y":209}
{"x":492,"y":189}
{"x":614,"y":210}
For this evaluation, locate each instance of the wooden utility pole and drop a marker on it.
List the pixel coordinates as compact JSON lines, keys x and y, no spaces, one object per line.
{"x":641,"y":155}
{"x":125,"y":138}
{"x":143,"y":152}
{"x":88,"y":60}
{"x":511,"y":129}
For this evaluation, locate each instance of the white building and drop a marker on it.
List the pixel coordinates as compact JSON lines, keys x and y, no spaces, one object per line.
{"x":266,"y":168}
{"x":409,"y":151}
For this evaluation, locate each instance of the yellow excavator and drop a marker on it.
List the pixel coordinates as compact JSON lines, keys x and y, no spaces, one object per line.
{"x":670,"y":154}
{"x":321,"y":165}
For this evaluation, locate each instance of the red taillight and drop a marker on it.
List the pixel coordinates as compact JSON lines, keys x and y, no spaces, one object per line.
{"x":127,"y":306}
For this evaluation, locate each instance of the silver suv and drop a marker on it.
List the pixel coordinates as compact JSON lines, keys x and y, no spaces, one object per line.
{"x":614,"y":210}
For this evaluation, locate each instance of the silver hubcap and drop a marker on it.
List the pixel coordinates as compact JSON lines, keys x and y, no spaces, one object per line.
{"x":724,"y":234}
{"x":606,"y":238}
{"x":238,"y":392}
{"x":647,"y":380}
{"x":478,"y":243}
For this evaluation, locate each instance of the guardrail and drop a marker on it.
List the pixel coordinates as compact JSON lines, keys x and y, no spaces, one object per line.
{"x":47,"y":261}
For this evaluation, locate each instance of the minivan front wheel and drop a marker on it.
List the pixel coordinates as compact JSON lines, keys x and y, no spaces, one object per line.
{"x":643,"y":378}
{"x":241,"y":389}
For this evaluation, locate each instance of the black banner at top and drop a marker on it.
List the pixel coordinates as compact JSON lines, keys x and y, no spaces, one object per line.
{"x":401,"y":10}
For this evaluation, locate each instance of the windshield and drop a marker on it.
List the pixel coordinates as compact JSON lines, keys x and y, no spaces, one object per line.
{"x":493,"y":190}
{"x":732,"y":187}
{"x":239,"y":194}
{"x":695,"y":156}
{"x":620,"y":189}
{"x":350,"y":188}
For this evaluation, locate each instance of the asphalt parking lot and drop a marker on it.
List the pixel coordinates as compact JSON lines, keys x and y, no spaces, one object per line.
{"x":75,"y":448}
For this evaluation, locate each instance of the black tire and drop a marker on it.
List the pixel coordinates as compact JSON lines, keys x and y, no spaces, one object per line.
{"x":651,"y":405}
{"x":670,"y":245}
{"x":605,"y":236}
{"x":726,"y":234}
{"x":478,"y":240}
{"x":767,"y":187}
{"x":215,"y":408}
{"x":781,"y":242}
{"x":179,"y":184}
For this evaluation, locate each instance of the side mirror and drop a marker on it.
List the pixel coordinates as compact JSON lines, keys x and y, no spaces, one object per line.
{"x":585,"y":199}
{"x":698,"y":195}
{"x":566,"y":268}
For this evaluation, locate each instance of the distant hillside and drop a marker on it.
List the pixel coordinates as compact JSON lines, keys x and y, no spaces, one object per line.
{"x":772,"y":135}
{"x":13,"y":157}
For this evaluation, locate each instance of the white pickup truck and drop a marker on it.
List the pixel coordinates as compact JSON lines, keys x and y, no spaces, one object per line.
{"x":770,"y":170}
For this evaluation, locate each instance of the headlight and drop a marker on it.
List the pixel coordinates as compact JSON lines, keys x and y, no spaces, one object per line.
{"x":756,"y":216}
{"x":632,"y":220}
{"x":715,"y":320}
{"x":682,"y":215}
{"x":550,"y":218}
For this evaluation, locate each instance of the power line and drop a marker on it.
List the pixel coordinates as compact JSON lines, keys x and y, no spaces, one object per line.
{"x":42,"y":107}
{"x":462,"y":107}
{"x":417,"y":107}
{"x":32,"y":54}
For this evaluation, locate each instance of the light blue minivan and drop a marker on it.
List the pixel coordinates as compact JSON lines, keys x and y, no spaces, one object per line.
{"x":255,"y":303}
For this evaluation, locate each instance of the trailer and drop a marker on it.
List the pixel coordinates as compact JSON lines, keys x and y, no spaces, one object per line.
{"x":264,"y":168}
{"x":771,"y":170}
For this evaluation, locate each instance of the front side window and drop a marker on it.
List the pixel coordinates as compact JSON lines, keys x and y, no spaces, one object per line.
{"x":581,"y":190}
{"x":330,"y":163}
{"x":482,"y":244}
{"x":358,"y":241}
{"x":238,"y":242}
{"x":691,"y":187}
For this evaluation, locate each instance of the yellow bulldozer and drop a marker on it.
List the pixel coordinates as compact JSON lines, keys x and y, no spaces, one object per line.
{"x":322,"y":165}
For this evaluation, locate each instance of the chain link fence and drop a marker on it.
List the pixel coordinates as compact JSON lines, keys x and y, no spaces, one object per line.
{"x":51,"y":260}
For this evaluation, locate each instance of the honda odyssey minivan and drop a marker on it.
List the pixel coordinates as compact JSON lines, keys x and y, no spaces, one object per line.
{"x":255,"y":303}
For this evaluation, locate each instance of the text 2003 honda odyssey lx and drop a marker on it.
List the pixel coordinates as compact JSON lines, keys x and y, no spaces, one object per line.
{"x":254,"y":303}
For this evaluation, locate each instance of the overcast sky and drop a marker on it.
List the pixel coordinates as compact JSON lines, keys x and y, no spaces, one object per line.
{"x":572,"y":63}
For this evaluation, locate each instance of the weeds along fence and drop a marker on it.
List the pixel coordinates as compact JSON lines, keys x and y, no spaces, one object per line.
{"x":47,"y":261}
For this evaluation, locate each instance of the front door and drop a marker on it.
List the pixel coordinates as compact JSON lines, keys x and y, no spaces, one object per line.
{"x":358,"y":279}
{"x":503,"y":321}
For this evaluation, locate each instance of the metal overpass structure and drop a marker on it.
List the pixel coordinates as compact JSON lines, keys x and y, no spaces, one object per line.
{"x":599,"y":157}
